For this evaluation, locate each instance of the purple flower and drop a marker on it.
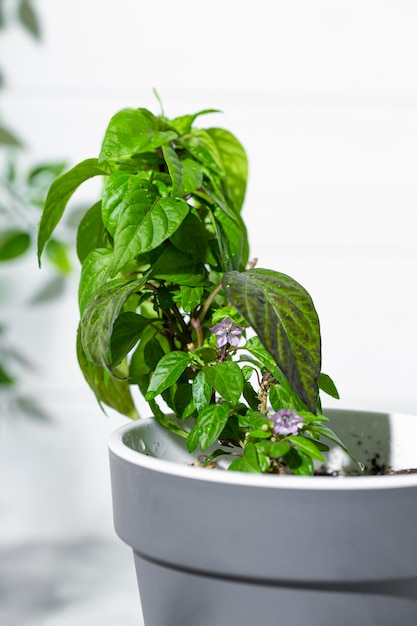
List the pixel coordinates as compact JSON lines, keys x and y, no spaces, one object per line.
{"x":286,"y":422}
{"x":227,"y":332}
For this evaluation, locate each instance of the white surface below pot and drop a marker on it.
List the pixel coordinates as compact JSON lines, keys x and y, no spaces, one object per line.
{"x":211,"y":546}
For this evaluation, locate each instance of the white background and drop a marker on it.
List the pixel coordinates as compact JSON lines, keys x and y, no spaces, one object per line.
{"x":323,"y":95}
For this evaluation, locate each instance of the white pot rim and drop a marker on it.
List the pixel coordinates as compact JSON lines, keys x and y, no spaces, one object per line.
{"x":120,"y":449}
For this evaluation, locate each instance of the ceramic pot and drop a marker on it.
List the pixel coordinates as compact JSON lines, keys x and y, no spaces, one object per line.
{"x":213,"y":547}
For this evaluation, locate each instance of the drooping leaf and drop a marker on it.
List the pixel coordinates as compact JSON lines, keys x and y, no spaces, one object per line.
{"x":59,"y":194}
{"x":100,"y":314}
{"x":127,"y":331}
{"x":235,"y":164}
{"x":166,"y":421}
{"x":211,"y":420}
{"x":132,"y":131}
{"x":109,"y":390}
{"x":167,"y":372}
{"x":283,"y":315}
{"x":227,"y":380}
{"x":233,"y":240}
{"x":91,"y":233}
{"x":94,"y":273}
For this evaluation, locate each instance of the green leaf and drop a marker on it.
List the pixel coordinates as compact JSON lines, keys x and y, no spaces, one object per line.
{"x":113,"y":392}
{"x":190,"y":297}
{"x":145,"y":222}
{"x":178,"y":267}
{"x":235,"y":164}
{"x":211,"y":420}
{"x":279,"y":449}
{"x":233,"y":240}
{"x":186,"y":175}
{"x":57,"y":253}
{"x":5,"y":377}
{"x":91,"y":233}
{"x":94,"y":273}
{"x":167,"y":372}
{"x":28,"y":18}
{"x":201,"y":390}
{"x":248,"y":462}
{"x":7,"y":138}
{"x":166,"y":421}
{"x":203,"y":148}
{"x":182,"y":125}
{"x":13,"y":243}
{"x":283,"y":315}
{"x":299,"y":463}
{"x":184,"y":401}
{"x":127,"y":331}
{"x":327,"y":432}
{"x":327,"y":385}
{"x":191,"y":237}
{"x":132,"y":131}
{"x":59,"y":194}
{"x":100,"y":314}
{"x":227,"y":380}
{"x":306,"y":446}
{"x":113,"y":197}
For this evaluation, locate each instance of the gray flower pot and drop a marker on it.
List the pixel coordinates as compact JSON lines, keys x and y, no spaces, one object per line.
{"x":214,"y":548}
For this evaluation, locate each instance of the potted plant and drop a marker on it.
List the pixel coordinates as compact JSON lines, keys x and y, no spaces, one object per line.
{"x":223,"y":493}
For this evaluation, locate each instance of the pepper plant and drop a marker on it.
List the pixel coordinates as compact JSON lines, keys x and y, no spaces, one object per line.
{"x":224,"y":352}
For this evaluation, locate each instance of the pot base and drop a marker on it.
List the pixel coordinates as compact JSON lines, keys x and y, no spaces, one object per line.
{"x":172,"y":597}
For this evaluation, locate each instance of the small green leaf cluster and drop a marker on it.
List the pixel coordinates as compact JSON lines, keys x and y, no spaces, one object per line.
{"x":165,"y":262}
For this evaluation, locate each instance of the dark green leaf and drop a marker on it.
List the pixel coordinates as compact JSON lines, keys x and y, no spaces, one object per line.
{"x":5,"y":377}
{"x":28,"y":18}
{"x":13,"y":243}
{"x":91,"y":232}
{"x":100,"y":314}
{"x":227,"y":380}
{"x":8,"y":138}
{"x":250,"y":396}
{"x":191,"y":237}
{"x":132,"y":131}
{"x":111,"y":391}
{"x":327,"y":432}
{"x":211,"y":420}
{"x":299,"y":463}
{"x":127,"y":331}
{"x":183,"y":401}
{"x":283,"y":315}
{"x":233,"y":240}
{"x":59,"y":194}
{"x":167,"y":372}
{"x":178,"y":267}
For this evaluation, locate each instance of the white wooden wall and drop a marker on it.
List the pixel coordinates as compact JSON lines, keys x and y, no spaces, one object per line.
{"x":324,"y":97}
